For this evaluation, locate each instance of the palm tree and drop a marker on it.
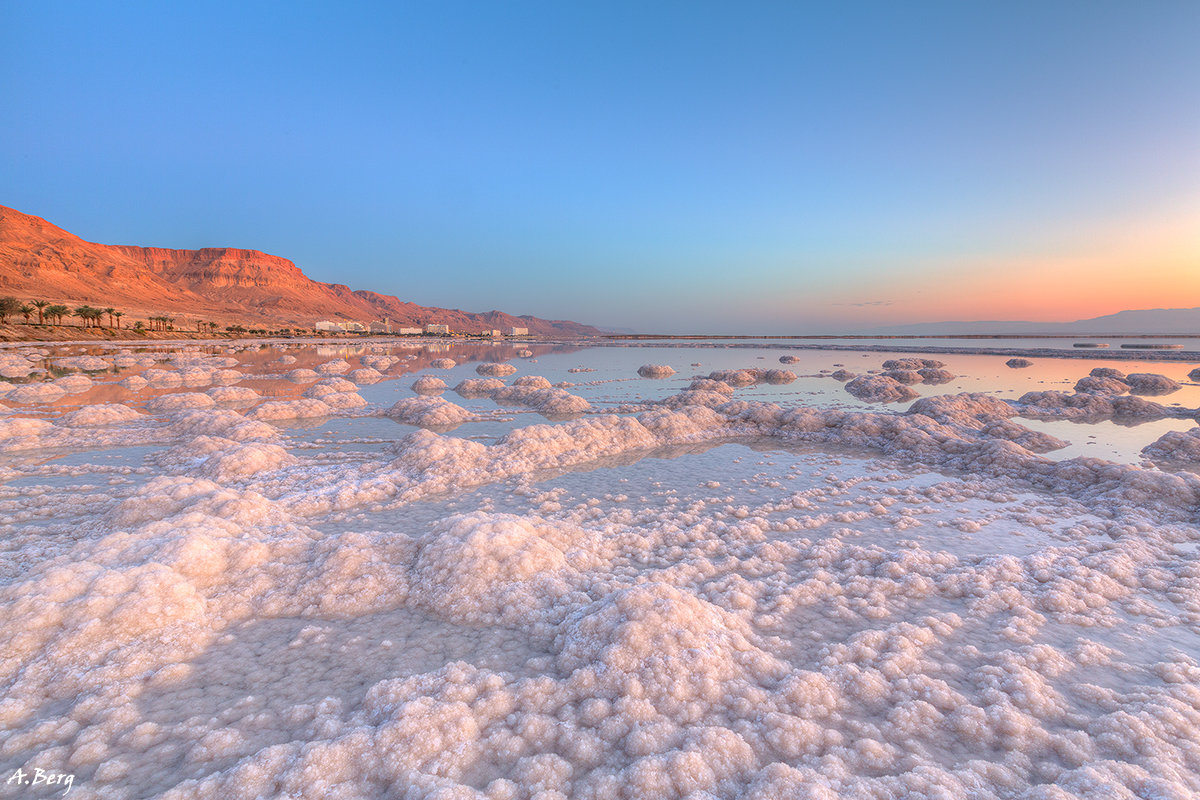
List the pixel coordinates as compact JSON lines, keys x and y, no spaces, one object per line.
{"x":110,"y":312}
{"x":84,"y":313}
{"x":40,"y":305}
{"x":9,"y":305}
{"x":118,"y":315}
{"x":26,"y":311}
{"x":57,"y":312}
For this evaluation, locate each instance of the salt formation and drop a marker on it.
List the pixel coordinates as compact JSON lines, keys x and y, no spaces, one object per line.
{"x":557,"y":402}
{"x":724,"y":598}
{"x":234,"y":395}
{"x":329,"y":386}
{"x":936,"y":375}
{"x":365,"y":375}
{"x":842,"y":375}
{"x":914,"y":364}
{"x":1194,"y":375}
{"x":778,"y":377}
{"x":1146,"y":383}
{"x":1018,"y":363}
{"x":655,"y":371}
{"x":338,"y":366}
{"x":478,"y":387}
{"x":427,"y":384}
{"x":100,"y":414}
{"x":304,"y":408}
{"x":443,"y":363}
{"x":36,"y":393}
{"x":495,"y":370}
{"x":1107,"y":372}
{"x":879,"y":389}
{"x":1101,"y":386}
{"x":789,"y":360}
{"x":429,"y":412}
{"x":1175,"y":446}
{"x":178,"y":402}
{"x":302,"y":375}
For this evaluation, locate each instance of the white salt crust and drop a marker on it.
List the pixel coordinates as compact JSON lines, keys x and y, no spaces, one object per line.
{"x":237,"y":626}
{"x":495,"y":370}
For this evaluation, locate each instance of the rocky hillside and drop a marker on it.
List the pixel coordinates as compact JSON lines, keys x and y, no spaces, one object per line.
{"x":218,"y":284}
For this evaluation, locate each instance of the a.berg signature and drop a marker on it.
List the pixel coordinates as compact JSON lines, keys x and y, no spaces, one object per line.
{"x":42,"y":777}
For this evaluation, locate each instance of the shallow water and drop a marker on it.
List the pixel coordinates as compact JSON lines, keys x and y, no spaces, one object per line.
{"x":770,"y":590}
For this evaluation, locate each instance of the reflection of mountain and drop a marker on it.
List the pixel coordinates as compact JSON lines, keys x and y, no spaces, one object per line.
{"x":1154,"y":320}
{"x":39,"y":260}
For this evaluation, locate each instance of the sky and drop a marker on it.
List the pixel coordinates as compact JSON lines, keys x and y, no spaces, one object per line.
{"x":765,"y":167}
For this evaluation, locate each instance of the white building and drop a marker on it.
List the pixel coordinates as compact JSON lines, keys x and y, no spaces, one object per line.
{"x":408,"y":331}
{"x":380,"y":326}
{"x":439,"y":329}
{"x":326,"y":325}
{"x":354,"y":327}
{"x":495,"y":333}
{"x":518,"y":331}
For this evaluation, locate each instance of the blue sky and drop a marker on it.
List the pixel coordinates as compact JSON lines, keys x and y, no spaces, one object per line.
{"x":726,"y":167}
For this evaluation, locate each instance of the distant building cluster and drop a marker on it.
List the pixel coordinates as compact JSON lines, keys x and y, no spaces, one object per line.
{"x":385,"y":326}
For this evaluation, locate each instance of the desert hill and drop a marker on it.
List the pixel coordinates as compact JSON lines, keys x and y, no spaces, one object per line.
{"x":39,"y":260}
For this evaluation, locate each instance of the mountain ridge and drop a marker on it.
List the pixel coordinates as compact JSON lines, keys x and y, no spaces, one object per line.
{"x":39,"y":260}
{"x":1130,"y":321}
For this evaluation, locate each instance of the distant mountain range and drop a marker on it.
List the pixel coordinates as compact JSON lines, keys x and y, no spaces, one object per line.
{"x":1143,"y":321}
{"x":39,"y":260}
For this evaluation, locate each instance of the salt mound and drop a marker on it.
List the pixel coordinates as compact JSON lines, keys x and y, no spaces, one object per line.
{"x":879,"y":389}
{"x":1148,"y":383}
{"x":429,"y":412}
{"x":496,"y":370}
{"x":1175,"y":446}
{"x":557,"y":402}
{"x":843,"y":375}
{"x":102,"y":414}
{"x":935,"y":376}
{"x":427,"y":384}
{"x":913,"y":364}
{"x":1018,"y":363}
{"x":180,"y":401}
{"x":1107,"y":372}
{"x":655,"y":371}
{"x":234,"y":395}
{"x":778,"y":377}
{"x":284,"y":360}
{"x":532,"y":382}
{"x":379,"y":363}
{"x":85,"y":363}
{"x":1086,"y":406}
{"x":303,"y":408}
{"x":1101,"y":386}
{"x":135,"y":383}
{"x":338,"y":366}
{"x":478,"y":387}
{"x":226,"y":377}
{"x":789,"y":360}
{"x":489,"y":568}
{"x":302,"y":376}
{"x":709,"y":385}
{"x":344,"y":401}
{"x":1194,"y":375}
{"x":366,"y":375}
{"x":735,"y":377}
{"x":245,"y":461}
{"x":224,"y":423}
{"x":678,"y":647}
{"x":36,"y":393}
{"x":905,"y":376}
{"x":329,"y":386}
{"x":443,"y":363}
